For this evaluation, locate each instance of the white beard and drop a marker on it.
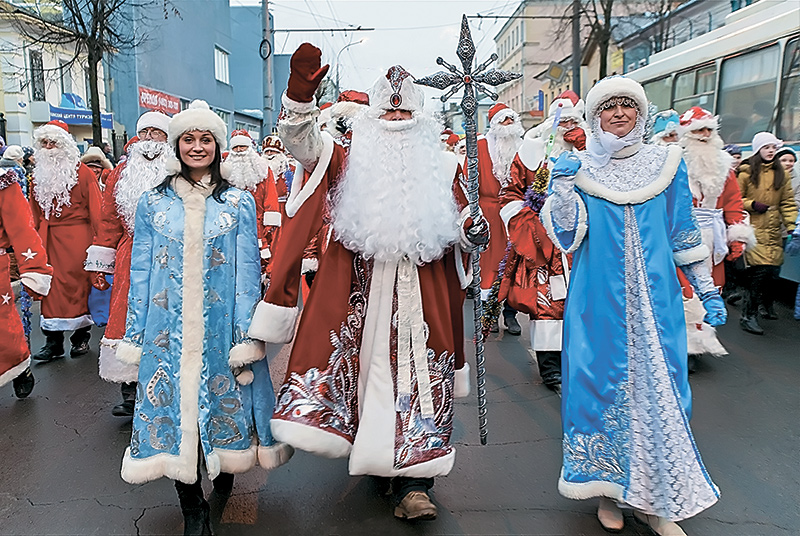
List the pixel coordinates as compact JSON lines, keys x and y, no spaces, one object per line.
{"x":708,"y":166}
{"x":247,"y":169}
{"x":138,"y":176}
{"x":54,"y":177}
{"x":504,"y":142}
{"x":395,"y":198}
{"x":277,"y":162}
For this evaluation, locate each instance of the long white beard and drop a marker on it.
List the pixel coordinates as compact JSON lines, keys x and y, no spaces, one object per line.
{"x":504,"y":142}
{"x":708,"y":166}
{"x":54,"y":177}
{"x":277,"y":162}
{"x":247,"y":169}
{"x":138,"y":176}
{"x":395,"y":198}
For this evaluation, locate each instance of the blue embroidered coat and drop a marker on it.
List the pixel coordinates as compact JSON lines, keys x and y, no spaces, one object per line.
{"x":195,"y":281}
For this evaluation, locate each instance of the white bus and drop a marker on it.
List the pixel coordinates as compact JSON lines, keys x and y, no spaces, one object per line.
{"x":747,"y":72}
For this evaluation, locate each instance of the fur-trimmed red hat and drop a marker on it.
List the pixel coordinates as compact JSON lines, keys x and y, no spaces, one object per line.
{"x":272,"y":143}
{"x":499,"y":113}
{"x":696,"y":118}
{"x":59,"y":123}
{"x":352,"y":95}
{"x":241,"y":137}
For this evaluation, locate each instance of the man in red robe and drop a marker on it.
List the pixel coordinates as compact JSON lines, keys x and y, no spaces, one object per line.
{"x":379,"y":352}
{"x":496,"y":151}
{"x":66,"y":204}
{"x":17,"y":231}
{"x":110,"y":252}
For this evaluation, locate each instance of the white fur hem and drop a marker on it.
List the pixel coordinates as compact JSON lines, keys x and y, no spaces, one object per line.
{"x":65,"y":324}
{"x":231,"y":461}
{"x":300,"y":192}
{"x":14,"y":372}
{"x":111,"y":369}
{"x":309,"y":265}
{"x":693,"y":254}
{"x":245,"y":353}
{"x":129,"y":353}
{"x":546,"y":335}
{"x":310,"y":439}
{"x":100,"y":259}
{"x":531,"y":152}
{"x":275,"y":455}
{"x":273,"y":323}
{"x":440,"y":466}
{"x":298,"y":107}
{"x":587,"y":490}
{"x":463,"y":267}
{"x":546,"y":218}
{"x":510,"y":210}
{"x":462,"y":386}
{"x":39,"y":283}
{"x":742,"y":232}
{"x":272,"y":219}
{"x":141,"y":470}
{"x":266,"y":254}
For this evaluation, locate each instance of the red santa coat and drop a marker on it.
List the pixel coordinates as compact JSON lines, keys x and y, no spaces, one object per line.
{"x":66,"y":235}
{"x":268,"y":214}
{"x":489,"y":201}
{"x":17,"y":231}
{"x":534,"y":280}
{"x":320,"y":408}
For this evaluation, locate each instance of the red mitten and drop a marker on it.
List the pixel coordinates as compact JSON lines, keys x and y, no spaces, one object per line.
{"x":576,"y":137}
{"x":305,"y":73}
{"x":735,"y":250}
{"x":99,"y":281}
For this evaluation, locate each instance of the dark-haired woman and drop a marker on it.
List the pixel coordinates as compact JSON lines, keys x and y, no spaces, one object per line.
{"x":768,"y":197}
{"x":205,"y":396}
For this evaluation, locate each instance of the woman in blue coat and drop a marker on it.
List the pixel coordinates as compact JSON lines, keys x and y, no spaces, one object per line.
{"x":205,"y":394}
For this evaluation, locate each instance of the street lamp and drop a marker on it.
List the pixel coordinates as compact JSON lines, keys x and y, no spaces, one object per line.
{"x":337,"y":62}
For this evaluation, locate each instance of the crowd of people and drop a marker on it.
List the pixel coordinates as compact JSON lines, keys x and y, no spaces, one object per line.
{"x":612,"y":227}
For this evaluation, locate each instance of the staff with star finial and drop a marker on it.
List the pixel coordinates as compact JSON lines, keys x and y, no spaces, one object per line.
{"x":473,"y":81}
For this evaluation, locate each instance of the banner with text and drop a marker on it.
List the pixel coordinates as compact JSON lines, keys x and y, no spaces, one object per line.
{"x":160,"y":101}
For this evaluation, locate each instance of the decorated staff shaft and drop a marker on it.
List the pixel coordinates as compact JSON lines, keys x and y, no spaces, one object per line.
{"x":552,"y":139}
{"x":473,"y":82}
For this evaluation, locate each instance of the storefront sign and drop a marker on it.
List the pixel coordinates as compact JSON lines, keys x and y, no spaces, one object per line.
{"x":157,"y":100}
{"x":76,"y":116}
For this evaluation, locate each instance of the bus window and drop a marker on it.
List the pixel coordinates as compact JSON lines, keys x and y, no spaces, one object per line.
{"x":747,"y":94}
{"x":658,"y":92}
{"x":789,"y":114}
{"x":695,"y":88}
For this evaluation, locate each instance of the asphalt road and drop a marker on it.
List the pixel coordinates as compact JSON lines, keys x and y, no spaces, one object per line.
{"x":61,"y":450}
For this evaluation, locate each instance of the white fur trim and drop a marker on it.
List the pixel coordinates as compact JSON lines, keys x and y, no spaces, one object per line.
{"x":156,"y":120}
{"x":298,"y":107}
{"x":245,"y":353}
{"x":301,"y":192}
{"x":615,"y":86}
{"x":510,"y":210}
{"x":275,"y":455}
{"x":502,"y":115}
{"x":703,"y":341}
{"x":531,"y":152}
{"x":14,"y":372}
{"x":347,"y":109}
{"x":273,"y":323}
{"x":742,"y":232}
{"x":172,"y":166}
{"x":587,"y":490}
{"x":485,"y":292}
{"x":463,"y":268}
{"x":57,"y":134}
{"x":693,"y":254}
{"x":309,"y":265}
{"x":226,"y":170}
{"x":580,"y":231}
{"x":568,"y":110}
{"x":272,"y":219}
{"x":546,"y":335}
{"x":129,"y":353}
{"x":111,"y":369}
{"x":266,"y":254}
{"x":241,"y":139}
{"x":37,"y":282}
{"x":462,"y":384}
{"x":412,"y":96}
{"x":712,"y":123}
{"x":635,"y":197}
{"x":310,"y":439}
{"x":141,"y":470}
{"x":65,"y":324}
{"x":100,"y":259}
{"x":245,"y":377}
{"x":198,"y":116}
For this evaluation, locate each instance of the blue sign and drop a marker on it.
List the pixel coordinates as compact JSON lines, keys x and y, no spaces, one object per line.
{"x":76,"y":116}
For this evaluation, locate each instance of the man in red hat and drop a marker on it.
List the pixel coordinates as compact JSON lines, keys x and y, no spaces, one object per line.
{"x":496,"y":151}
{"x":274,"y":153}
{"x":110,"y":253}
{"x":66,"y":205}
{"x":719,"y":212}
{"x":571,"y":129}
{"x":249,"y":172}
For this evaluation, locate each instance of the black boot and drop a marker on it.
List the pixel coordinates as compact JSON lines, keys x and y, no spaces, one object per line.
{"x":750,"y":325}
{"x":691,"y":364}
{"x":80,"y":341}
{"x":223,"y":484}
{"x":53,"y":347}
{"x":125,"y":408}
{"x":23,"y":384}
{"x":510,"y":319}
{"x":767,"y":312}
{"x":550,"y":369}
{"x":196,"y":517}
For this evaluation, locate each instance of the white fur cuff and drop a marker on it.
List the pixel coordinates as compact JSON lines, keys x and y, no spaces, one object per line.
{"x":298,"y":107}
{"x":462,"y":385}
{"x":245,"y":353}
{"x":742,"y":232}
{"x":273,"y":323}
{"x":266,"y":254}
{"x":100,"y":259}
{"x":510,"y":210}
{"x":309,"y":265}
{"x":272,"y":219}
{"x":275,"y":455}
{"x":39,"y":283}
{"x":129,"y":353}
{"x":693,"y":254}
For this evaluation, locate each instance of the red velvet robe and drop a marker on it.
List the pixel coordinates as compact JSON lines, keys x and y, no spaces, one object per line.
{"x":269,"y":216}
{"x":489,"y":201}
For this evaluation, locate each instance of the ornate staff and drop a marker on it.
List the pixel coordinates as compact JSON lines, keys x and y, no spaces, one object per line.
{"x":472,"y":81}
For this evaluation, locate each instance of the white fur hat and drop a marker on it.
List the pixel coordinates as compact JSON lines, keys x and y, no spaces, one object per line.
{"x":198,"y":116}
{"x":396,"y":91}
{"x":765,"y":138}
{"x":572,"y":106}
{"x":153,"y":120}
{"x":614,"y":86}
{"x":14,"y":152}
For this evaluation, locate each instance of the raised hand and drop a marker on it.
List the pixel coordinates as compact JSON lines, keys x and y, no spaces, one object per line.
{"x":305,"y":73}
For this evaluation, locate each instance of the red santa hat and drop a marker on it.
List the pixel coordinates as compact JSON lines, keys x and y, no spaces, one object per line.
{"x":131,"y":142}
{"x":452,"y":140}
{"x":198,"y":116}
{"x":499,"y":113}
{"x":56,"y":131}
{"x":241,"y":137}
{"x":396,"y":91}
{"x":272,"y":143}
{"x":325,"y":105}
{"x":352,"y":95}
{"x":155,"y":120}
{"x":572,"y":106}
{"x":696,"y":118}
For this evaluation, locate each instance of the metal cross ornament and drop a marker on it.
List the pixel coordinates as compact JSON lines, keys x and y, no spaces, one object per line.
{"x":473,"y":81}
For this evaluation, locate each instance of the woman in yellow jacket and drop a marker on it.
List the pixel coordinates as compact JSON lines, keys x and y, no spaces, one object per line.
{"x":767,"y":196}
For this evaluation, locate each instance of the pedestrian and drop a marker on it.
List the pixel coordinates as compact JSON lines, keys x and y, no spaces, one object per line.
{"x":665,"y":128}
{"x":768,"y":197}
{"x":625,"y":210}
{"x":101,"y":166}
{"x":496,"y":152}
{"x":736,"y":154}
{"x":17,"y":231}
{"x":66,"y":205}
{"x":378,"y":355}
{"x":110,"y":252}
{"x":206,"y":394}
{"x":788,"y":159}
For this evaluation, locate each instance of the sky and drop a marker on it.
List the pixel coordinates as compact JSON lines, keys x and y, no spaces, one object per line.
{"x":411,"y":33}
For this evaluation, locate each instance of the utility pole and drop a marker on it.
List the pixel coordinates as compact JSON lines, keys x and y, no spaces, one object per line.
{"x":266,"y":123}
{"x":576,"y":47}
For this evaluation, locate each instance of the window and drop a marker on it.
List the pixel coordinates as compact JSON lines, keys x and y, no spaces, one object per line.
{"x":37,"y":76}
{"x":789,"y":109}
{"x":695,"y":88}
{"x":66,"y":77}
{"x":747,"y":94}
{"x":225,"y":116}
{"x":184,"y":104}
{"x":221,"y":65}
{"x":659,"y":92}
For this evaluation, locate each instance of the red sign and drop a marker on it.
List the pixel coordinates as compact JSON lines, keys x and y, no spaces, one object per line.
{"x":156,"y":100}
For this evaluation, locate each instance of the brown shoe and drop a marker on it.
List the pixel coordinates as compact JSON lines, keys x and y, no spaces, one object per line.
{"x":416,"y":505}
